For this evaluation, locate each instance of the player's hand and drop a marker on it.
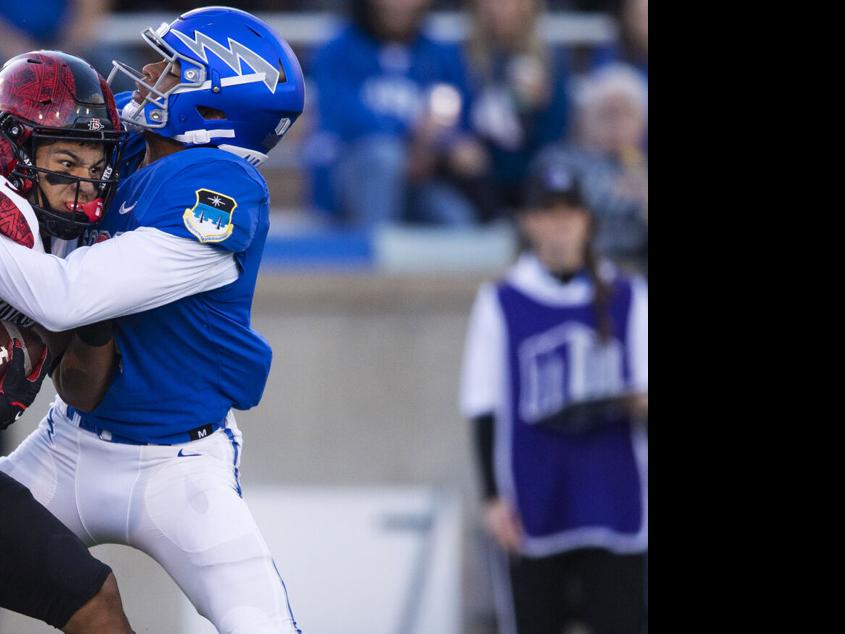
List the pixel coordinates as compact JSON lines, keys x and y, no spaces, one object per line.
{"x":638,"y":405}
{"x":17,"y":389}
{"x":468,"y":158}
{"x":529,"y":81}
{"x":503,"y":524}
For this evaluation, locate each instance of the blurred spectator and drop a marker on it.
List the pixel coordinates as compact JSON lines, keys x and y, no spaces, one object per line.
{"x":631,"y":46}
{"x":66,"y":25}
{"x":392,"y":142}
{"x":555,"y":382}
{"x":595,"y":6}
{"x":73,"y":26}
{"x":520,"y":102}
{"x":611,"y":112}
{"x":180,"y":6}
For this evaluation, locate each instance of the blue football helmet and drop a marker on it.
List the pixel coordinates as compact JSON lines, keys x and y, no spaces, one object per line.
{"x":230,"y":64}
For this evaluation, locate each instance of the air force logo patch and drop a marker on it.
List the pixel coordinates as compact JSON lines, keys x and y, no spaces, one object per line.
{"x":210,"y":219}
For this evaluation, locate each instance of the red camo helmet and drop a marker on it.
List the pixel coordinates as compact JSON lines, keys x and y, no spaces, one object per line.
{"x":50,"y":95}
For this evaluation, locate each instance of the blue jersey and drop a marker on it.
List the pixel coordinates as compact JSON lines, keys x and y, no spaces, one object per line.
{"x":184,"y":365}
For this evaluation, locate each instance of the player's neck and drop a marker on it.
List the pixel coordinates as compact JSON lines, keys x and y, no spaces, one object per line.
{"x":159,"y":147}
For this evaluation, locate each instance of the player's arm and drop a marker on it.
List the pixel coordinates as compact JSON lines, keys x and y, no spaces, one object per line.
{"x":481,"y":393}
{"x":18,"y":225}
{"x":134,"y":272}
{"x":81,"y":375}
{"x":499,"y":516}
{"x":174,"y":254}
{"x":638,"y":348}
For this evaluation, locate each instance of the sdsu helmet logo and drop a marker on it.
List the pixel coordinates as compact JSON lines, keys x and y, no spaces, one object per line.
{"x":95,"y":125}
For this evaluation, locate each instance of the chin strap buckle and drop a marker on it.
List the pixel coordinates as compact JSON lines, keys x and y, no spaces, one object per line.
{"x":203,"y":137}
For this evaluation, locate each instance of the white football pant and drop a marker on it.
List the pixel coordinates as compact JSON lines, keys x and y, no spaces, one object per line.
{"x":180,"y":504}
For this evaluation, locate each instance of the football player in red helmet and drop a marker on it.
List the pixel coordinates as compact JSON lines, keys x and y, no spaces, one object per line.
{"x":60,"y":137}
{"x":60,"y":140}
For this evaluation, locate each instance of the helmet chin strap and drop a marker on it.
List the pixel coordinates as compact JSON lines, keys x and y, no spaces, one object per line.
{"x":203,"y":137}
{"x":130,"y":116}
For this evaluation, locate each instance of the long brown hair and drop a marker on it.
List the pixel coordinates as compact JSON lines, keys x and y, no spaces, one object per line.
{"x":602,"y":292}
{"x":528,"y":42}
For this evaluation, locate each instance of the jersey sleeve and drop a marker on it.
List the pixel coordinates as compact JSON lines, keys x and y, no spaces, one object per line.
{"x":215,"y":202}
{"x":638,"y":335}
{"x":482,"y":371}
{"x":19,"y":224}
{"x":17,"y":218}
{"x":136,"y":271}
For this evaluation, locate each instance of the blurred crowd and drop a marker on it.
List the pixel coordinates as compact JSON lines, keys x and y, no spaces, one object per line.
{"x":403,"y":128}
{"x":409,"y":129}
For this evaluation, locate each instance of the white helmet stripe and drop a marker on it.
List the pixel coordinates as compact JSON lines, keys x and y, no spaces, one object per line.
{"x":226,"y":81}
{"x":232,"y":56}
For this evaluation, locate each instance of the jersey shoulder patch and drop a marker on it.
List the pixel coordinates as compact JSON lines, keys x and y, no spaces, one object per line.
{"x":204,"y":195}
{"x":211,"y":217}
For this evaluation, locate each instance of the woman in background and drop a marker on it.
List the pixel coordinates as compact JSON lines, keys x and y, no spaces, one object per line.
{"x":391,"y":145}
{"x":608,"y":147}
{"x":519,"y":88}
{"x":555,"y":381}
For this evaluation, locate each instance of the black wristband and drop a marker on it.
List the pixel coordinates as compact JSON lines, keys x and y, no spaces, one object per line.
{"x":484,"y":441}
{"x":96,"y":335}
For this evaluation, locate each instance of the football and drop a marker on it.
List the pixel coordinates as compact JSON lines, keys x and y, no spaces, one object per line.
{"x":32,"y":349}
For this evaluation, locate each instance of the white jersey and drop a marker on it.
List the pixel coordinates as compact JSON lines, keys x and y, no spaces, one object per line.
{"x":137,"y":271}
{"x":7,"y":312}
{"x":134,"y":272}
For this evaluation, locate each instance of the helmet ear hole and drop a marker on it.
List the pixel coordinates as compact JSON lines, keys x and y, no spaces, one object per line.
{"x":211,"y":114}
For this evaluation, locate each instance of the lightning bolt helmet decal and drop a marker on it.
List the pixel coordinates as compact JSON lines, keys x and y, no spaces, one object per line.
{"x":240,"y":85}
{"x":231,"y":56}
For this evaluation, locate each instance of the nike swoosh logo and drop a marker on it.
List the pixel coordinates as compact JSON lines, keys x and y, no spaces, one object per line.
{"x":182,"y":454}
{"x":124,"y":209}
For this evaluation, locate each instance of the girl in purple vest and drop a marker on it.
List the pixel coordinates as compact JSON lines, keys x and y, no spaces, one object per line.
{"x":555,"y":379}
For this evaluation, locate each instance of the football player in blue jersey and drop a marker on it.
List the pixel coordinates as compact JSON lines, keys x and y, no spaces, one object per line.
{"x":555,"y":380}
{"x":150,"y":394}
